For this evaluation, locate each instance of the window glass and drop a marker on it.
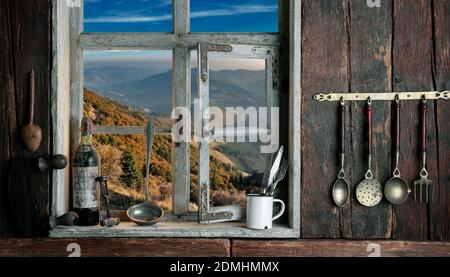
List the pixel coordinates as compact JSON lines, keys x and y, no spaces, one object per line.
{"x":128,"y":16}
{"x":234,"y":16}
{"x":236,"y":168}
{"x":137,"y":80}
{"x":125,"y":88}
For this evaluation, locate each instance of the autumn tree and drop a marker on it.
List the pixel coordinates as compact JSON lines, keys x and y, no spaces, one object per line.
{"x":131,"y":175}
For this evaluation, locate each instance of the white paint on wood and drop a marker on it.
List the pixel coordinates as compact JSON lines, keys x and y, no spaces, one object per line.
{"x":181,"y":86}
{"x":126,"y":130}
{"x":167,"y":41}
{"x":76,"y":75}
{"x":174,"y":229}
{"x":60,"y":103}
{"x":295,"y":113}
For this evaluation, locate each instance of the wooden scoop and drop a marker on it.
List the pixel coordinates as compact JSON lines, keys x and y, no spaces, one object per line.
{"x":32,"y":133}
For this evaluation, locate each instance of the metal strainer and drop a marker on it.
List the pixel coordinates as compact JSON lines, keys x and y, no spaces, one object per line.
{"x":369,"y":191}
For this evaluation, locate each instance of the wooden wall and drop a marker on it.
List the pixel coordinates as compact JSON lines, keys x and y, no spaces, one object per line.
{"x":25,"y":32}
{"x":403,"y":45}
{"x":346,"y":46}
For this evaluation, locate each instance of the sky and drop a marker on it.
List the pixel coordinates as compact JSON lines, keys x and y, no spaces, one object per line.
{"x":156,"y":16}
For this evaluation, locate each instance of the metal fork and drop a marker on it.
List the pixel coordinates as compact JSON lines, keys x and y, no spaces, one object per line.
{"x":280,"y":176}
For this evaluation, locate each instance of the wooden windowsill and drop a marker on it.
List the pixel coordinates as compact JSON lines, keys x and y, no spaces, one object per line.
{"x":174,"y":229}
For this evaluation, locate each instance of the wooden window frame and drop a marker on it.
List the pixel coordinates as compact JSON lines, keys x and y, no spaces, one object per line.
{"x":205,"y":52}
{"x":69,"y":42}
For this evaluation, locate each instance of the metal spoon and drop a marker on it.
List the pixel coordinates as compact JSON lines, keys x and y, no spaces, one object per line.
{"x":397,"y":189}
{"x":369,"y":191}
{"x":341,"y":188}
{"x":146,"y":213}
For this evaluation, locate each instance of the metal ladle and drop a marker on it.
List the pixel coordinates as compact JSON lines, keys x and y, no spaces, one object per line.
{"x":397,"y":189}
{"x":369,"y":191}
{"x":341,"y":188}
{"x":146,"y":213}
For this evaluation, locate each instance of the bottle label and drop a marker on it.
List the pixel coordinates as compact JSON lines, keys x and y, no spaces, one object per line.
{"x":85,"y":187}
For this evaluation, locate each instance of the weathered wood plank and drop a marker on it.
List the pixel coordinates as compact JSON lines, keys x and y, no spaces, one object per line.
{"x":324,"y":68}
{"x":60,"y":103}
{"x":295,"y":71}
{"x":370,"y":32}
{"x":181,"y":97}
{"x":28,"y":47}
{"x":412,"y":72}
{"x":169,"y":228}
{"x":127,"y":247}
{"x":440,"y":208}
{"x":338,"y":248}
{"x":124,"y":41}
{"x":7,"y":116}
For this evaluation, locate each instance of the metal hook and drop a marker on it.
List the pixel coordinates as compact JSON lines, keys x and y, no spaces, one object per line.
{"x":342,"y":101}
{"x":369,"y":101}
{"x":397,"y":98}
{"x":424,"y":99}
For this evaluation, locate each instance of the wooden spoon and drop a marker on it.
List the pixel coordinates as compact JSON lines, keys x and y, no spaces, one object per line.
{"x":32,"y":133}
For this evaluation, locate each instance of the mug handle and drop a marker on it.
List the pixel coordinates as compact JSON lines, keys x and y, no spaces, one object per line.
{"x":282,"y":209}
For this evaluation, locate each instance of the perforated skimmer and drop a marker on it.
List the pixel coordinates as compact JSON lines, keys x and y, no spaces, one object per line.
{"x":369,"y":192}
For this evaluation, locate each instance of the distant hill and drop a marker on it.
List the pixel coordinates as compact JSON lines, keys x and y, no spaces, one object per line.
{"x":227,"y":88}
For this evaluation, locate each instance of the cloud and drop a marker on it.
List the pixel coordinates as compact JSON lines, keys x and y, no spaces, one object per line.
{"x":229,"y":11}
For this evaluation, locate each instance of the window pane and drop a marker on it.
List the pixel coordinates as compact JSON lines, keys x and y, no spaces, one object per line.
{"x":140,"y":82}
{"x":234,"y":16}
{"x":125,"y":88}
{"x":127,"y":16}
{"x":236,"y":168}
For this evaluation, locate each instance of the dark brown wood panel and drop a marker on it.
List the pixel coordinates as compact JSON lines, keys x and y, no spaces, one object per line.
{"x":338,"y":248}
{"x":7,"y":116}
{"x":370,"y":33}
{"x":128,"y":247}
{"x":324,"y":69}
{"x":26,"y":45}
{"x":412,"y":72}
{"x":440,"y":208}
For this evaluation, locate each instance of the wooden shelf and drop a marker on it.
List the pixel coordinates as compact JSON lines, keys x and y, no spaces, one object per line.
{"x":195,"y":247}
{"x":174,"y":229}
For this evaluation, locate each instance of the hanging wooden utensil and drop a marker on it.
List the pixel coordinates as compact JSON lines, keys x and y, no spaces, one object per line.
{"x":32,"y":133}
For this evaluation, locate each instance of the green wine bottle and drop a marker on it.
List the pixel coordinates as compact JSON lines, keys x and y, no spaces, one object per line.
{"x":86,"y":194}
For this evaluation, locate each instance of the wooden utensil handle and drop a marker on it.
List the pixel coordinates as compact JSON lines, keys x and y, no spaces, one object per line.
{"x":369,"y":127}
{"x":424,"y":126}
{"x":32,"y":93}
{"x":397,"y":126}
{"x":342,"y":128}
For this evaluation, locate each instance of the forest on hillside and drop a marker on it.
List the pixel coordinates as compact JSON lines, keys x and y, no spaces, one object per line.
{"x":123,"y":160}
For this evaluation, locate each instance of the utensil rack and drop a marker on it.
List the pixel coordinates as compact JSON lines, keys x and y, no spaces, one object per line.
{"x":382,"y":96}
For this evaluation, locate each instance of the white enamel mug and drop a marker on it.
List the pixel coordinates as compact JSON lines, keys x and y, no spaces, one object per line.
{"x":260,"y":211}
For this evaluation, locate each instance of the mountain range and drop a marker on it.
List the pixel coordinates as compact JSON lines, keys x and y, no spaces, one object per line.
{"x":150,"y":92}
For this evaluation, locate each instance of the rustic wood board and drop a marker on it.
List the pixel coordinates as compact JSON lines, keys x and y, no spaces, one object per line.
{"x":128,"y":247}
{"x":7,"y":117}
{"x":440,"y":208}
{"x":174,"y":229}
{"x":324,"y":68}
{"x":370,"y":32}
{"x":412,"y":72}
{"x":338,"y":248}
{"x":26,"y":45}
